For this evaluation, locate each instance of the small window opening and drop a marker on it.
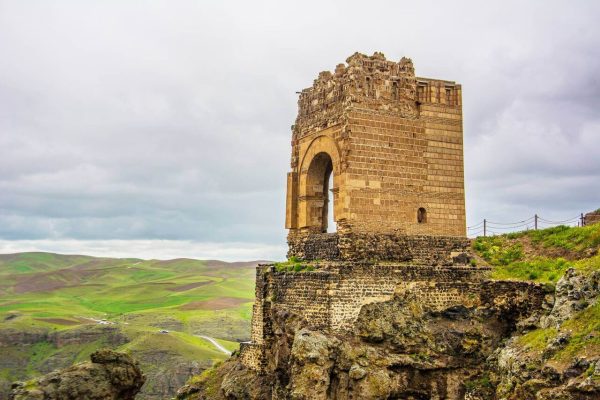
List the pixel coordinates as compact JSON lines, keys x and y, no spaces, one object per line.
{"x":421,"y":216}
{"x":395,"y":90}
{"x":448,"y":96}
{"x":421,"y":93}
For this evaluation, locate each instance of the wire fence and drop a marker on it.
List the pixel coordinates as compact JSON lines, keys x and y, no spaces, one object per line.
{"x":492,"y":228}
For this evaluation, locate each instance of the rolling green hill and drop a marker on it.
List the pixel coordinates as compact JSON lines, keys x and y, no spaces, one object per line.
{"x":56,"y":309}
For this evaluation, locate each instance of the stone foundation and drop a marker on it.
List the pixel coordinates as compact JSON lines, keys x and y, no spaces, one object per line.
{"x":418,"y":250}
{"x":251,"y":355}
{"x":329,"y":299}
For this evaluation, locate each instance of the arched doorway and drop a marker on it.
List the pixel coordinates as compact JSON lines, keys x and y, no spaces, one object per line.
{"x":319,"y":191}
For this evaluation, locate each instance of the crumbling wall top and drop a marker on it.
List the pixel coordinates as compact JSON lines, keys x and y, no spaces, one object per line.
{"x":371,"y":82}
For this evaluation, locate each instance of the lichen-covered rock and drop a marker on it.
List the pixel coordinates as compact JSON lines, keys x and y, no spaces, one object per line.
{"x":542,"y":364}
{"x":109,"y":376}
{"x":574,"y":292}
{"x":491,"y":348}
{"x":228,"y":381}
{"x":312,"y":359}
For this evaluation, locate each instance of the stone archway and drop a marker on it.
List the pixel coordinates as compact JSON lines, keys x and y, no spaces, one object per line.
{"x":308,"y":190}
{"x":318,"y":175}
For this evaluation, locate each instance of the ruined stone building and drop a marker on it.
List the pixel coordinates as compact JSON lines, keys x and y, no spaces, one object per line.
{"x":382,"y":150}
{"x":391,"y":143}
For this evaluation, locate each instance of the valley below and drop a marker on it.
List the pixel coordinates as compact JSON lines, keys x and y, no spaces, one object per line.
{"x":176,"y":317}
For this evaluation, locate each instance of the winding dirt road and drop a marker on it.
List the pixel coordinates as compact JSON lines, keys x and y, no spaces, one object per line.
{"x":215,"y":343}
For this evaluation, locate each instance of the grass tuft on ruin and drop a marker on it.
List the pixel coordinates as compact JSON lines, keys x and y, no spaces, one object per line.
{"x":293,"y":264}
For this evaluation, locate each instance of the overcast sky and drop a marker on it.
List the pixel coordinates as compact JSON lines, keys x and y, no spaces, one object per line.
{"x":162,"y":129}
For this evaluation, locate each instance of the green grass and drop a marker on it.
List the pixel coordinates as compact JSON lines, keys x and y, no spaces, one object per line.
{"x":49,"y":293}
{"x":185,"y":345}
{"x":110,"y":288}
{"x":537,"y":339}
{"x":210,"y":380}
{"x":584,"y":328}
{"x":538,"y":256}
{"x":588,"y":264}
{"x":563,"y":237}
{"x":507,"y":256}
{"x":546,"y":270}
{"x":294,"y":264}
{"x":497,"y":250}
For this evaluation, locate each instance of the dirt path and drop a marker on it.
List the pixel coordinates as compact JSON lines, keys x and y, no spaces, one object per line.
{"x":216,"y":344}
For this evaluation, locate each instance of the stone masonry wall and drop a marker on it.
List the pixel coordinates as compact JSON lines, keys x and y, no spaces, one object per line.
{"x":330,"y":298}
{"x":305,"y":294}
{"x":352,"y":287}
{"x":314,"y":246}
{"x":421,"y":250}
{"x":252,"y":356}
{"x":393,"y":143}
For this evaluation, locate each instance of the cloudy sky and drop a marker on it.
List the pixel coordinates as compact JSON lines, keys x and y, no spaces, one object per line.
{"x":162,"y":129}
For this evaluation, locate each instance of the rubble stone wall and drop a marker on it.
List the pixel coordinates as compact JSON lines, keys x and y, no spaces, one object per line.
{"x":420,"y":250}
{"x":252,"y":356}
{"x":330,"y":298}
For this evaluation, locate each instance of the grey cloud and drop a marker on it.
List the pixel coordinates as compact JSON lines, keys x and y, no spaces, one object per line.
{"x":172,"y":119}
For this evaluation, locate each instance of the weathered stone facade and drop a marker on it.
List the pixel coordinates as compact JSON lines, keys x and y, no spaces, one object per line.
{"x":419,"y":250}
{"x":330,"y":299}
{"x":391,"y":305}
{"x":393,"y":144}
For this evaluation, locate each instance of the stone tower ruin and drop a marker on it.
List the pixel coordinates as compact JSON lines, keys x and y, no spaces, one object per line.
{"x":392,"y":145}
{"x":383,"y":150}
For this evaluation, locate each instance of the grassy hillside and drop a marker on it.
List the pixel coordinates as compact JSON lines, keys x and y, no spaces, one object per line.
{"x":68,"y":306}
{"x":544,"y":256}
{"x":540,"y":255}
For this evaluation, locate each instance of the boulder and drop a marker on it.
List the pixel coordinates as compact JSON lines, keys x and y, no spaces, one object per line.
{"x":109,"y":376}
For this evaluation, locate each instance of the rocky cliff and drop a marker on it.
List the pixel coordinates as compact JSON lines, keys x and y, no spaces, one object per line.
{"x":401,"y":349}
{"x":28,"y":353}
{"x":109,"y":376}
{"x":512,"y":339}
{"x":529,"y":330}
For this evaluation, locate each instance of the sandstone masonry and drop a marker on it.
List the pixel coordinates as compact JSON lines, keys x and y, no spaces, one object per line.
{"x":391,"y":144}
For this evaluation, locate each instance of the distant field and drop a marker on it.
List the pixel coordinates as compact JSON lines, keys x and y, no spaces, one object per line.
{"x":67,"y":295}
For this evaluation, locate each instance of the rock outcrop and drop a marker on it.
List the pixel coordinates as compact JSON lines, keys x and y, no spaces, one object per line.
{"x":513,"y":347}
{"x":400,"y":349}
{"x":109,"y":376}
{"x":544,"y":363}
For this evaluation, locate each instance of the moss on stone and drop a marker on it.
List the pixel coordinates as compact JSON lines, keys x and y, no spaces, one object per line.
{"x":538,"y":338}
